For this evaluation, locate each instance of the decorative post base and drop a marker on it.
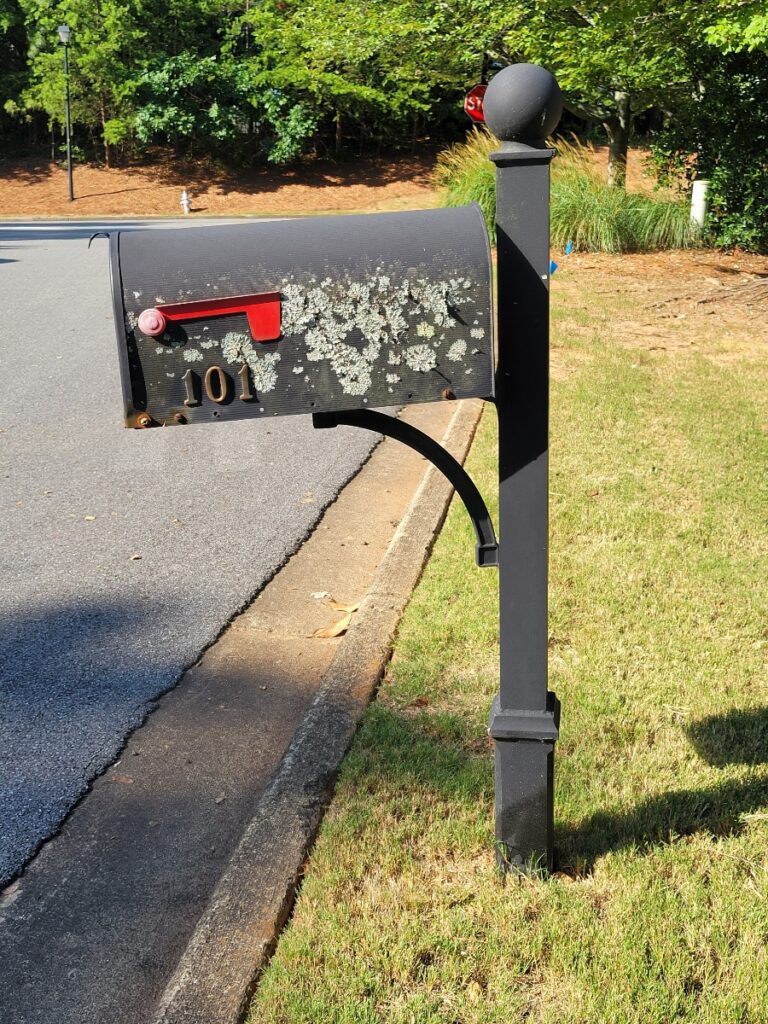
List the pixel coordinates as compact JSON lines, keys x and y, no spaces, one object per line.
{"x":524,"y":743}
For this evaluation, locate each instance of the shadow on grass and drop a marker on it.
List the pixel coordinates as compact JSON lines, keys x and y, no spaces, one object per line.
{"x":418,"y":750}
{"x":428,"y":751}
{"x":739,"y":737}
{"x":716,"y":810}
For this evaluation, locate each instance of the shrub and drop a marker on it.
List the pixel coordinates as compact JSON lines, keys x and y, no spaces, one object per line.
{"x":585,"y":211}
{"x":466,"y":175}
{"x":721,"y":133}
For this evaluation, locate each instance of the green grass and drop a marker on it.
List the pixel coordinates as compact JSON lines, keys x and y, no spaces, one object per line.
{"x":585,"y":211}
{"x":659,"y":605}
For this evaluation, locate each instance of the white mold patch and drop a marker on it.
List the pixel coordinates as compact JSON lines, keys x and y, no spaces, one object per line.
{"x":208,"y":343}
{"x":477,"y":332}
{"x":457,"y":351}
{"x":347,"y":322}
{"x":421,"y":358}
{"x":392,"y":378}
{"x":263,"y":370}
{"x":237,"y":347}
{"x":192,"y":355}
{"x":234,"y":345}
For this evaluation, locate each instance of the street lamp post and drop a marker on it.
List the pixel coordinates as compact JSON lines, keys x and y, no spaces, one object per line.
{"x":64,"y":33}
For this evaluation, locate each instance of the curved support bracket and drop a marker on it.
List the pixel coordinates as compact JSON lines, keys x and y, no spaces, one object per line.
{"x":486,"y":548}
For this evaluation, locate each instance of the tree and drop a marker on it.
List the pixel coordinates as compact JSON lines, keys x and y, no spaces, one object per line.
{"x":719,"y":130}
{"x":371,"y":66}
{"x":738,"y":26}
{"x":613,"y":59}
{"x":99,"y":59}
{"x":13,"y":55}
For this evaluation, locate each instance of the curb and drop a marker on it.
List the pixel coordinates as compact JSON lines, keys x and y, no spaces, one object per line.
{"x":234,"y":939}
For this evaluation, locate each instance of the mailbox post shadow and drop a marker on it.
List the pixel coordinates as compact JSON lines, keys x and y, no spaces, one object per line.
{"x":737,"y":737}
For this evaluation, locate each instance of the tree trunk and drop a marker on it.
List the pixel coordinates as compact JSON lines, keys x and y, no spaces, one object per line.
{"x":618,"y":129}
{"x":338,"y":132}
{"x":103,"y":115}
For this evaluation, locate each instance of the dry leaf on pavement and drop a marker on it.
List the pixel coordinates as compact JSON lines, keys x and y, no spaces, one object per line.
{"x":339,"y":606}
{"x":337,"y":629}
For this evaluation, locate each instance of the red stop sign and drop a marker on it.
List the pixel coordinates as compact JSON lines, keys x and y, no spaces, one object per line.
{"x":473,"y":103}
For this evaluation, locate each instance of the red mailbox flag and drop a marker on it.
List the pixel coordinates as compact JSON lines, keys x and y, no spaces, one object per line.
{"x":473,"y":103}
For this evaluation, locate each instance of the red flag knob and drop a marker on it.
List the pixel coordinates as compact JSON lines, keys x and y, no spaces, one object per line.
{"x":152,"y":322}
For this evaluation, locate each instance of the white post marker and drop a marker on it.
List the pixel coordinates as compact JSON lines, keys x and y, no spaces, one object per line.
{"x":699,"y":202}
{"x":184,"y":201}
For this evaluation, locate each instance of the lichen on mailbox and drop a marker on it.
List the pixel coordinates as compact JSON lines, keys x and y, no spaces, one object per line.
{"x":347,"y":322}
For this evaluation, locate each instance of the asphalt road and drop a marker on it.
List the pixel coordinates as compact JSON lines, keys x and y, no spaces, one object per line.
{"x":124,"y":553}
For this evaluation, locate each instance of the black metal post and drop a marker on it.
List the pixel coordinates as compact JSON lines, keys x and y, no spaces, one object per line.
{"x":68,"y":124}
{"x":522,"y":106}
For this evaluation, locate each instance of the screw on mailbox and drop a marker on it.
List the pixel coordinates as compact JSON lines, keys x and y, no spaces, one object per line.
{"x":336,"y":316}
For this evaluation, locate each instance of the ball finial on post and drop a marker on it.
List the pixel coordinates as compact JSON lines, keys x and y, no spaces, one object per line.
{"x":523,"y":104}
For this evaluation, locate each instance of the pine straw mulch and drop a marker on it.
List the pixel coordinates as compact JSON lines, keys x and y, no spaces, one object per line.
{"x":667,"y":302}
{"x":39,"y":189}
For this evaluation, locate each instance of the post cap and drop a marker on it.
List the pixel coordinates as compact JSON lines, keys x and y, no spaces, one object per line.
{"x":523,"y":103}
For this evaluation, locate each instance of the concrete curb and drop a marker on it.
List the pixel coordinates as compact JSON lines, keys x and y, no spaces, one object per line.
{"x":232,"y":943}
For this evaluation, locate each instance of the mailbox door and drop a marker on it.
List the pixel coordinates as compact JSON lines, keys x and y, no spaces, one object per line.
{"x":302,"y":316}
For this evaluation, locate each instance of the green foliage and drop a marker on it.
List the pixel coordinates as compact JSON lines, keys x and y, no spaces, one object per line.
{"x":585,"y":210}
{"x":273,"y":79}
{"x":720,"y":132}
{"x":613,"y":60}
{"x":594,"y":49}
{"x":743,"y":26}
{"x":188,"y":97}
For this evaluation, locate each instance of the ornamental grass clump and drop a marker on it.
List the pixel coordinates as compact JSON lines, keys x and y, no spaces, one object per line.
{"x":586,"y":211}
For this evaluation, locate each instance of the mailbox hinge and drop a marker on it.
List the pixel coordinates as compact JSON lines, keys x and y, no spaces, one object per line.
{"x":486,"y":548}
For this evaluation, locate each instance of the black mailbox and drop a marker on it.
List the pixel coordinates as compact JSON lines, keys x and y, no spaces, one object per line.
{"x":302,"y":316}
{"x":338,"y":315}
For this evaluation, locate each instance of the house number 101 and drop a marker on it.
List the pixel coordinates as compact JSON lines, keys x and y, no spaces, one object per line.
{"x":217,"y":384}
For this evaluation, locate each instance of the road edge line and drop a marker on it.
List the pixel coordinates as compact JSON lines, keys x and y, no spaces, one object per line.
{"x":217,"y":974}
